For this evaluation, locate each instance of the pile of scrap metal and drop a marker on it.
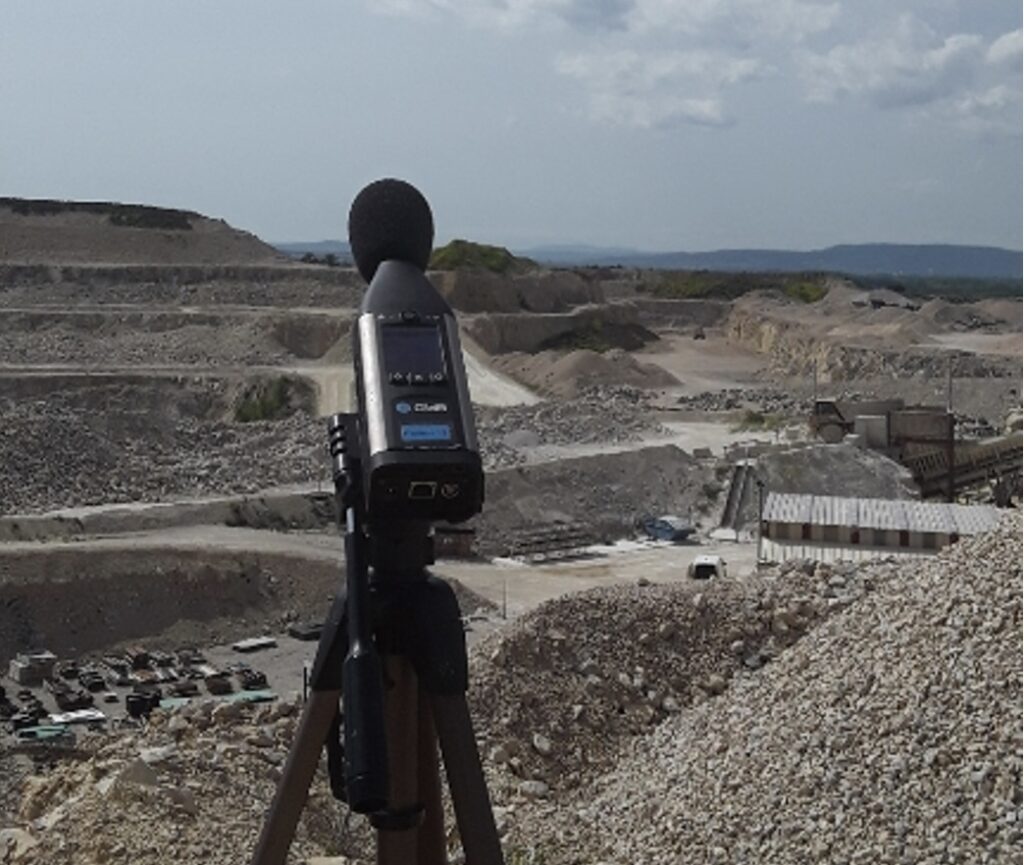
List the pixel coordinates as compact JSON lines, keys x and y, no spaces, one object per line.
{"x":151,"y":678}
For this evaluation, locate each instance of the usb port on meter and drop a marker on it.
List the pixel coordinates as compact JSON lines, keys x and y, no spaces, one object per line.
{"x":422,"y":489}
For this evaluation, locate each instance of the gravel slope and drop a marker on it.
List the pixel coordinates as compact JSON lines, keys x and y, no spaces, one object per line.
{"x":890,"y":734}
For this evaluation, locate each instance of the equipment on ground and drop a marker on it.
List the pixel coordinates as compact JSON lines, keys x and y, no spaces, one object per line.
{"x":667,"y":528}
{"x":392,"y":646}
{"x":705,"y":567}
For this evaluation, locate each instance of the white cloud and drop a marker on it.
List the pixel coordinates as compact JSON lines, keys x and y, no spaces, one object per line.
{"x":995,"y":110}
{"x":909,"y":66}
{"x":736,"y":20}
{"x":1006,"y":49}
{"x":956,"y":77}
{"x":510,"y":14}
{"x":730,"y":19}
{"x":658,"y":89}
{"x":655,"y":63}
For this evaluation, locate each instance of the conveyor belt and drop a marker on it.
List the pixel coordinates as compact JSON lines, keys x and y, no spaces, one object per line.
{"x":974,"y":463}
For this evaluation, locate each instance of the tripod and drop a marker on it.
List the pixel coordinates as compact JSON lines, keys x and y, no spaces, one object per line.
{"x":401,"y":626}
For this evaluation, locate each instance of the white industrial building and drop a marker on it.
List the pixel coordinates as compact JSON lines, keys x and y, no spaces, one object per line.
{"x":835,"y":528}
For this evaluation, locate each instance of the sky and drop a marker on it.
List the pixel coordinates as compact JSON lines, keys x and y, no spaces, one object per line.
{"x":650,"y":124}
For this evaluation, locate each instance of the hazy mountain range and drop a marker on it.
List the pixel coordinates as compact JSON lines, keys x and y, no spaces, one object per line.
{"x":865,"y":259}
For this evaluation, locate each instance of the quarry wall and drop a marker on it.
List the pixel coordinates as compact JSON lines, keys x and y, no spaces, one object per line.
{"x":73,"y":600}
{"x":500,"y":333}
{"x":796,"y":351}
{"x":544,"y":291}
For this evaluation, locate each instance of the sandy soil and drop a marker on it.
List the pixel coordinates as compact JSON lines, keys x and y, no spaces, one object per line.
{"x":702,"y":365}
{"x":1008,"y":345}
{"x":688,"y":435}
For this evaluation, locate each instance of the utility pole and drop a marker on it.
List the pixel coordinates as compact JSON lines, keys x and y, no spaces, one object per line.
{"x":949,"y":385}
{"x":950,"y":436}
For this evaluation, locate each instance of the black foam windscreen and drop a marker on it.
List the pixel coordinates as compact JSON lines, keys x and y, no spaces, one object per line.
{"x":390,"y":220}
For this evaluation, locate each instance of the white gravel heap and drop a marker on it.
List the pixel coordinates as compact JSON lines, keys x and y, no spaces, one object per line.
{"x":841,"y":715}
{"x":600,"y":414}
{"x":190,"y":788}
{"x":889,"y":734}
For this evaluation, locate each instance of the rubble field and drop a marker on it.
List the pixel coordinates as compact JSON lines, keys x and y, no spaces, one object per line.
{"x":849,"y":714}
{"x":853,"y":714}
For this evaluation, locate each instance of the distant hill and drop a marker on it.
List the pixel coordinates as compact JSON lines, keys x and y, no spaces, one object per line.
{"x":868,"y":259}
{"x":48,"y":231}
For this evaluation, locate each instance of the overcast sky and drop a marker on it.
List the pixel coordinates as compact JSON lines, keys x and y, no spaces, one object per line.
{"x":655,"y":124}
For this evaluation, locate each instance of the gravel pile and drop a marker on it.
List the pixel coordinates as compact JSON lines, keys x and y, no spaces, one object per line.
{"x":889,"y":734}
{"x":190,"y":787}
{"x":292,"y":286}
{"x":767,"y":401}
{"x":838,"y":363}
{"x":139,"y":339}
{"x":57,"y":455}
{"x":849,"y":714}
{"x":557,"y":693}
{"x":608,"y":414}
{"x":607,"y":494}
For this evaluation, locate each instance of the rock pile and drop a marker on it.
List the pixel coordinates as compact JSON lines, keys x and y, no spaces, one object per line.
{"x":559,"y":692}
{"x":607,"y":494}
{"x":190,"y":787}
{"x":601,"y":414}
{"x":56,"y":454}
{"x":766,"y":401}
{"x":889,"y":734}
{"x":138,"y":339}
{"x":813,"y":713}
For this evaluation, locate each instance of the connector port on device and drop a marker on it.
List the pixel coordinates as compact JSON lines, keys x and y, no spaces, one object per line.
{"x":422,"y":489}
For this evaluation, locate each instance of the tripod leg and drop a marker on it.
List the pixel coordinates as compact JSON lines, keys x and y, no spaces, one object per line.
{"x":398,"y":847}
{"x":293,"y":789}
{"x":431,"y":841}
{"x":466,"y":780}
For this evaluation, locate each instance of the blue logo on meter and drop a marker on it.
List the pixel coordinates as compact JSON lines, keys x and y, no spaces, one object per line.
{"x":426,"y":432}
{"x":403,"y":407}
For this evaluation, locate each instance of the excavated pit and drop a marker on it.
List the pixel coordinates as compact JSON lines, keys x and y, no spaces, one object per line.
{"x":76,"y":600}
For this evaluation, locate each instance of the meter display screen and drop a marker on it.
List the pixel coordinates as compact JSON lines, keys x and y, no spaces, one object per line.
{"x":412,"y":349}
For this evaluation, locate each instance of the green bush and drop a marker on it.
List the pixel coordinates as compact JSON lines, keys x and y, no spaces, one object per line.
{"x":805,"y":291}
{"x":464,"y":254}
{"x":690,"y":284}
{"x":128,"y":215}
{"x":265,"y":401}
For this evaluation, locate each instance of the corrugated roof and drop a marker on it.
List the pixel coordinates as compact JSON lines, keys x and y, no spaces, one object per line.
{"x":787,"y":508}
{"x":882,"y":514}
{"x":892,"y":514}
{"x":972,"y":519}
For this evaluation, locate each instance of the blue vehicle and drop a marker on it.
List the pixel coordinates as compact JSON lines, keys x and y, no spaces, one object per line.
{"x":667,"y":528}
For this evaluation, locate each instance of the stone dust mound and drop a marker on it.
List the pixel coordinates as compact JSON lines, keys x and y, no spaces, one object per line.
{"x":599,"y":415}
{"x":890,"y":734}
{"x":568,"y":374}
{"x":855,"y":715}
{"x":559,"y":693}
